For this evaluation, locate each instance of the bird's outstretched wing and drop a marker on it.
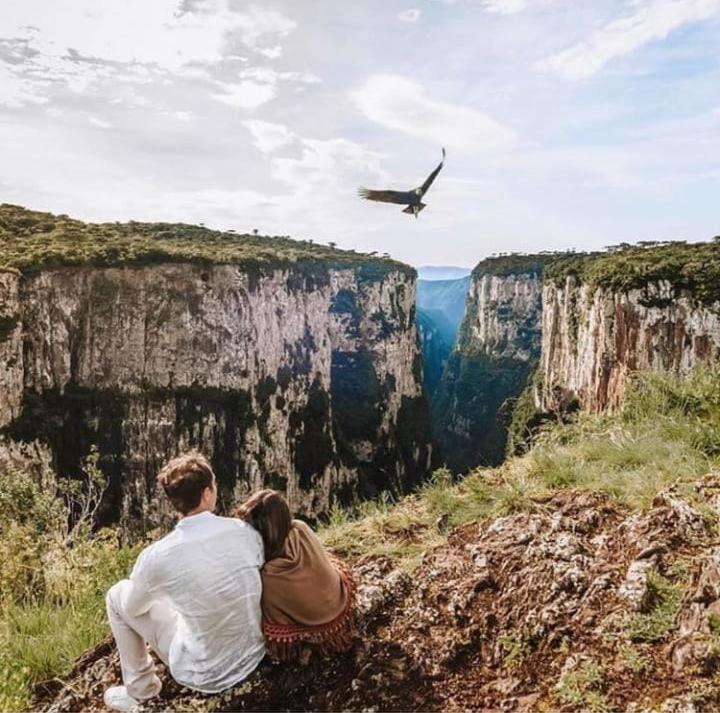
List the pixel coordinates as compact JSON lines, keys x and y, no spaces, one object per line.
{"x":432,"y":176}
{"x":403,"y":197}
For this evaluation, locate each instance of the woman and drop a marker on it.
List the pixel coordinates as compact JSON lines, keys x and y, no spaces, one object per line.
{"x":308,"y":597}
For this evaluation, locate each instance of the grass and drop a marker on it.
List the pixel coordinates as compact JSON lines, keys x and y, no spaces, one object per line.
{"x":694,"y":267}
{"x":633,"y":660}
{"x":516,"y":646}
{"x":668,"y":431}
{"x":406,"y":529}
{"x":31,"y":240}
{"x":40,"y":639}
{"x":516,"y":264}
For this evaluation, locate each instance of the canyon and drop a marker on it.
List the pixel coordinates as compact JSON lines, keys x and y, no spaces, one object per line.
{"x":545,"y":335}
{"x":497,"y":347}
{"x":440,"y":310}
{"x":317,"y":371}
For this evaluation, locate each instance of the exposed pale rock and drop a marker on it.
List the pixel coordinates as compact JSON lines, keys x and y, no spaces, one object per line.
{"x":32,"y":457}
{"x":283,"y":378}
{"x":634,"y":588}
{"x":593,"y":339}
{"x":11,"y":357}
{"x":502,"y":319}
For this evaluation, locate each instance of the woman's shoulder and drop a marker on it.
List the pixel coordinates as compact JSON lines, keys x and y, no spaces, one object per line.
{"x":303,"y":527}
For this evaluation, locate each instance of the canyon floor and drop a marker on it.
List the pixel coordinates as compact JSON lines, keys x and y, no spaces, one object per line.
{"x":574,"y":603}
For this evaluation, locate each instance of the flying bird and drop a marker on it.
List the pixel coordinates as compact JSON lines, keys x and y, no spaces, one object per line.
{"x":412,"y":198}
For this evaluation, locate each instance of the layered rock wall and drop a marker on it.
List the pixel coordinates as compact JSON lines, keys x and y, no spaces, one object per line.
{"x":593,"y":339}
{"x":501,"y":318}
{"x":496,"y":350}
{"x":306,"y":380}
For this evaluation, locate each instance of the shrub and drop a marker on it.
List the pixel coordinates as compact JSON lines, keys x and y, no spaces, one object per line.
{"x":582,"y":687}
{"x":661,"y":605}
{"x":53,"y":579}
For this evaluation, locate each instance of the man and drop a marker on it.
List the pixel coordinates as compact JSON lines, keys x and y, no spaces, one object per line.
{"x":193,"y":596}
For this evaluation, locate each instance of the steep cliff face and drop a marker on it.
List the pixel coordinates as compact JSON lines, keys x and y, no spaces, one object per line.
{"x":303,"y":376}
{"x":11,"y":382}
{"x":595,"y":337}
{"x":497,"y":347}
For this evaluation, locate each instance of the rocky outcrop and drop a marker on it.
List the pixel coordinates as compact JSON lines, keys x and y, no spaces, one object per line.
{"x":307,"y":378}
{"x":595,"y":337}
{"x":497,"y":347}
{"x":573,"y":604}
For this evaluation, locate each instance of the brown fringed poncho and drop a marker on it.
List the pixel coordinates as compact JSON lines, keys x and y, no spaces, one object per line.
{"x":308,"y":598}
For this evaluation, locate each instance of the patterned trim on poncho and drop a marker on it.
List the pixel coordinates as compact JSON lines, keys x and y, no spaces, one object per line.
{"x":284,"y":642}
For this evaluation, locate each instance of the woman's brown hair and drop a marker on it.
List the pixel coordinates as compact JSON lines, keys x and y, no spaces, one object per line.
{"x":268,"y":512}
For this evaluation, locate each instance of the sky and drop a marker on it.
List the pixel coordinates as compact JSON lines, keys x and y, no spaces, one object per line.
{"x":568,"y":124}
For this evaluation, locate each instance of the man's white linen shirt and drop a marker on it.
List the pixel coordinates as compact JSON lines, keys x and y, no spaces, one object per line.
{"x":208,"y":571}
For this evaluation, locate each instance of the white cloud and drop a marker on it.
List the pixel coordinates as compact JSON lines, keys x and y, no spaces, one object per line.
{"x":184,"y":116}
{"x":504,"y":7}
{"x":246,"y":94}
{"x":401,"y":104}
{"x":78,"y":44}
{"x":100,"y":123}
{"x":259,"y":23}
{"x":17,"y":91}
{"x":257,"y":86}
{"x":271,"y":76}
{"x":409,"y":15}
{"x":330,"y":162}
{"x":269,"y":137}
{"x":112,"y":30}
{"x":652,"y":20}
{"x":272,"y":52}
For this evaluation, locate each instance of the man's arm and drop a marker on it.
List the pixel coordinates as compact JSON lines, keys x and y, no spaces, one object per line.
{"x":138,"y":597}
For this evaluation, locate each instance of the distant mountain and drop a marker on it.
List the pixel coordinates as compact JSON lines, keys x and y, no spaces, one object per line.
{"x":442,"y":272}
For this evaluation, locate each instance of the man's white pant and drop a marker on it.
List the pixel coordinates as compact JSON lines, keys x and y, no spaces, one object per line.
{"x":155,"y":627}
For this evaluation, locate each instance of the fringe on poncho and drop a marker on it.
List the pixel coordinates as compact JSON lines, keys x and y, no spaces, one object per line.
{"x":308,"y":599}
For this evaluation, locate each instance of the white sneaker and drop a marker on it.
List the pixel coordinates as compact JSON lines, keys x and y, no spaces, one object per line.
{"x":117,"y":698}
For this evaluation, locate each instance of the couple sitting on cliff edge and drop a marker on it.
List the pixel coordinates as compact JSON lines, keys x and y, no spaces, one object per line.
{"x":216,"y":594}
